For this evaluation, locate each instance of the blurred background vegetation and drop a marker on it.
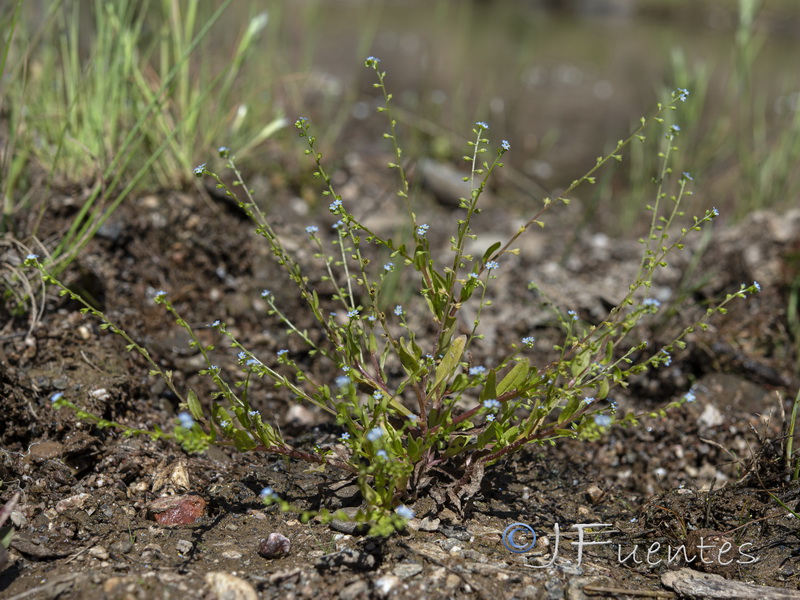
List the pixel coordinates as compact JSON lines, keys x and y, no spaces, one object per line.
{"x":118,"y":98}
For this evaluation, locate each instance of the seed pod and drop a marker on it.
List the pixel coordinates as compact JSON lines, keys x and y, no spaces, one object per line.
{"x":274,"y":546}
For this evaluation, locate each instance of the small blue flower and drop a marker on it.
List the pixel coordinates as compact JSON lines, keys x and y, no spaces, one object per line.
{"x":473,"y":275}
{"x":224,"y":151}
{"x":651,"y":302}
{"x":506,"y":146}
{"x":160,"y":295}
{"x":352,"y":313}
{"x":528,"y":341}
{"x":413,"y":418}
{"x":687,"y":176}
{"x":683,"y":94}
{"x":404,"y":512}
{"x":602,"y":420}
{"x":200,"y":170}
{"x":187,"y":422}
{"x":345,"y":436}
{"x":342,"y":381}
{"x":374,"y":434}
{"x":491,"y":404}
{"x":573,"y":315}
{"x":301,"y":122}
{"x":253,"y":413}
{"x":32,"y":257}
{"x":482,"y":125}
{"x":613,"y":405}
{"x":312,"y":229}
{"x":689,"y":396}
{"x":757,"y":286}
{"x":479,"y":370}
{"x":492,"y":265}
{"x":242,"y":355}
{"x":265,"y":293}
{"x":715,"y":212}
{"x":382,"y":454}
{"x":667,"y":362}
{"x":216,"y":324}
{"x":345,"y":368}
{"x":422,"y":229}
{"x":388,"y":267}
{"x":377,"y":395}
{"x":371,"y":318}
{"x":336,"y":205}
{"x":214,"y":368}
{"x":338,"y":224}
{"x":224,"y":424}
{"x":56,"y":397}
{"x":282,"y":351}
{"x":675,"y":128}
{"x":398,"y":310}
{"x":372,"y":61}
{"x":252,"y":362}
{"x":490,"y":417}
{"x":588,"y":400}
{"x":267,"y":493}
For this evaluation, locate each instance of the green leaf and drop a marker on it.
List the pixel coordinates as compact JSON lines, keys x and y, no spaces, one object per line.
{"x":195,"y":409}
{"x":450,"y":361}
{"x":490,"y":387}
{"x":580,"y":362}
{"x":491,"y":250}
{"x":407,"y":358}
{"x":514,"y":378}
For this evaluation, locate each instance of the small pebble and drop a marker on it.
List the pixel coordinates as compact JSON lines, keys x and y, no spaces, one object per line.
{"x":274,"y":546}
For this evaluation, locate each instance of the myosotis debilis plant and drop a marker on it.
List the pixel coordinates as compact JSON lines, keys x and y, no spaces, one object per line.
{"x":418,"y":417}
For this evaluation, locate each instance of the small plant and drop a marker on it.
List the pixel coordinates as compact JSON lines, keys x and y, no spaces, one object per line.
{"x":418,"y":417}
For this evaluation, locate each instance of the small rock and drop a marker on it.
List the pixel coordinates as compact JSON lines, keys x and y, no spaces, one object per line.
{"x":232,"y":555}
{"x":184,"y":546}
{"x":177,"y":510}
{"x":98,"y":552}
{"x":452,"y":581}
{"x":122,"y":546}
{"x":274,"y":546}
{"x":406,"y":570}
{"x":386,"y":584}
{"x":357,"y":589}
{"x":355,"y":560}
{"x":594,"y":494}
{"x":223,"y":586}
{"x":76,"y":501}
{"x":428,"y":524}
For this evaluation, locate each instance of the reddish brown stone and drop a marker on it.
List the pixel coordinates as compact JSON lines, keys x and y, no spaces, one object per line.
{"x":177,"y":510}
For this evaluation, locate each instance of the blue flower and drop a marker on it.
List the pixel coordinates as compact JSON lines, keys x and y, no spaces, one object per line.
{"x":404,"y":512}
{"x":224,"y":151}
{"x":651,"y":302}
{"x":266,"y":493}
{"x":253,"y":413}
{"x":482,"y":125}
{"x":573,"y":315}
{"x":377,"y":395}
{"x":187,"y":422}
{"x":342,"y":381}
{"x":490,"y":417}
{"x":216,"y":323}
{"x":473,"y":275}
{"x":282,"y":351}
{"x":160,"y":295}
{"x":479,"y":370}
{"x":506,"y":146}
{"x":389,"y":267}
{"x":715,"y":212}
{"x":374,"y":434}
{"x":56,"y":397}
{"x":675,"y":128}
{"x":265,"y":293}
{"x":602,"y":420}
{"x":242,"y":355}
{"x":667,"y":362}
{"x":382,"y":454}
{"x":757,"y":286}
{"x":413,"y":418}
{"x":491,"y":265}
{"x":301,"y":122}
{"x":491,"y":404}
{"x":687,"y":176}
{"x":336,"y":205}
{"x":682,"y":94}
{"x":252,"y":362}
{"x":528,"y":341}
{"x":312,"y":229}
{"x":338,"y":224}
{"x":398,"y":310}
{"x":32,"y":257}
{"x":200,"y":170}
{"x":372,"y":61}
{"x":689,"y":396}
{"x":422,"y":229}
{"x":224,"y":424}
{"x":588,"y":400}
{"x":352,"y":313}
{"x":345,"y":436}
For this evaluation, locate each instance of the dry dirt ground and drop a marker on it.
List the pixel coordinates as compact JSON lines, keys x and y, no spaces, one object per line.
{"x":84,"y":522}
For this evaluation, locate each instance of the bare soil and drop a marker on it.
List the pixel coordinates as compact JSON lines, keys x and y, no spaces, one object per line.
{"x":714,"y":469}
